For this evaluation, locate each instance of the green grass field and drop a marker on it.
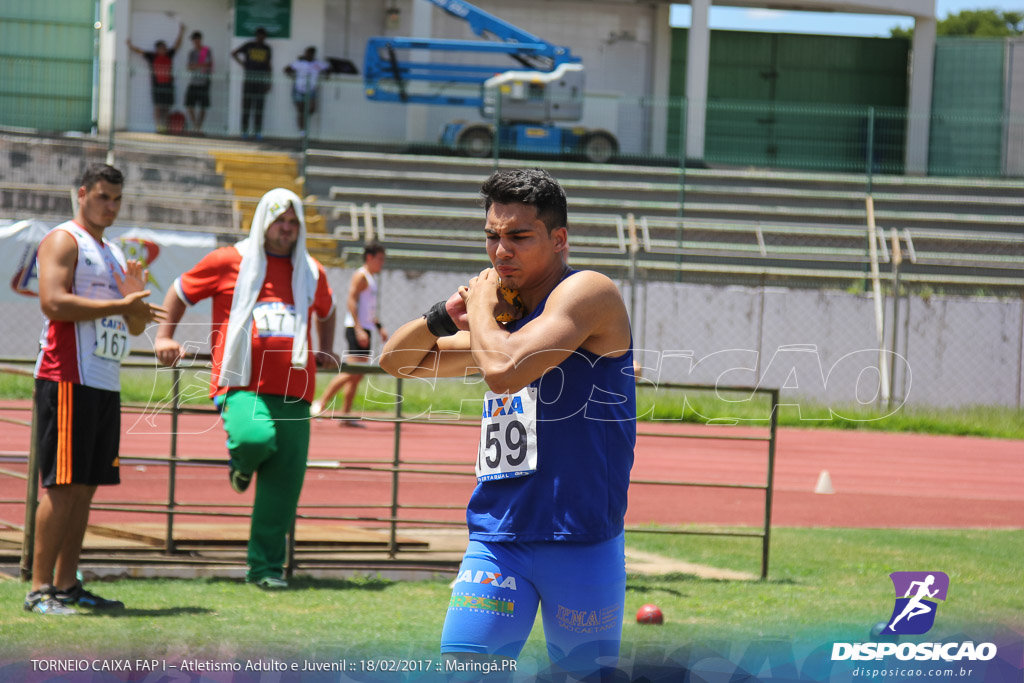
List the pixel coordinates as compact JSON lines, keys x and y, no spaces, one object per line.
{"x":823,"y":583}
{"x":377,"y":394}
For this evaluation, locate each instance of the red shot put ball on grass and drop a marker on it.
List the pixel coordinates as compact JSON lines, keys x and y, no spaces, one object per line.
{"x":649,"y":614}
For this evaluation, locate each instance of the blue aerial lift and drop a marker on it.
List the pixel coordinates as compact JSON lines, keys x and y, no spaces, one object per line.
{"x":547,"y":87}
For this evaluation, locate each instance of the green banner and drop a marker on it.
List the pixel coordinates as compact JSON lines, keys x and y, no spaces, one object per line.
{"x":273,"y":15}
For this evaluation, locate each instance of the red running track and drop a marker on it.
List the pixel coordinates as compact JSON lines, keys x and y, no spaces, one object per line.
{"x":880,"y":479}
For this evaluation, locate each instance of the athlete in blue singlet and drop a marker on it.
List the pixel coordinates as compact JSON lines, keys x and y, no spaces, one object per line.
{"x":557,"y":435}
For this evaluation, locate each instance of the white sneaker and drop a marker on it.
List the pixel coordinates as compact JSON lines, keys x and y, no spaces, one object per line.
{"x":315,"y":408}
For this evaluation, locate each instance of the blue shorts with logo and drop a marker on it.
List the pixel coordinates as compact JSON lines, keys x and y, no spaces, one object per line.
{"x":580,"y":588}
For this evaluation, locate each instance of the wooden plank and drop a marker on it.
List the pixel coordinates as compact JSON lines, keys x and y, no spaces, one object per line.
{"x":192,"y":533}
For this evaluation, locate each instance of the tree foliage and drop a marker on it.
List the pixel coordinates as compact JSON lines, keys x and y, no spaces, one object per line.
{"x":980,"y":23}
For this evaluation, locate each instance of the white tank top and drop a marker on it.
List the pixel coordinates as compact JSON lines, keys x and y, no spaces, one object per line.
{"x":87,"y":352}
{"x":366,"y":304}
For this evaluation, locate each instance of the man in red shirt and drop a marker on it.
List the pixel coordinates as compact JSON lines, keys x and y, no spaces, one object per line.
{"x":161,"y":65}
{"x":264,"y":291}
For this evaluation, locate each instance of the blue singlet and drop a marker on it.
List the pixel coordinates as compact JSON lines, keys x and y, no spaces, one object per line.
{"x":554,"y":538}
{"x":586,"y":431}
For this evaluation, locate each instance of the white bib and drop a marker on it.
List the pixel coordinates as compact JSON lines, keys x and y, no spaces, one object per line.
{"x":274,"y":319}
{"x":111,"y":338}
{"x":508,"y":436}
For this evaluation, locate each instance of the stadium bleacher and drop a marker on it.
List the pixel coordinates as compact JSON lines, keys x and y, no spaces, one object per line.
{"x":728,"y":225}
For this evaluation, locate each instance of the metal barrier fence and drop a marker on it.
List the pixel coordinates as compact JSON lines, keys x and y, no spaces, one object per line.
{"x":171,"y":509}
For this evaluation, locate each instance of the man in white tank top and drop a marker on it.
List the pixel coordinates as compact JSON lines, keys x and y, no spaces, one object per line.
{"x":93,"y":300}
{"x":360,"y":319}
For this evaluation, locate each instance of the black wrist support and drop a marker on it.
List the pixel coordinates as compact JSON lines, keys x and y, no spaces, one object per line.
{"x":439,"y":322}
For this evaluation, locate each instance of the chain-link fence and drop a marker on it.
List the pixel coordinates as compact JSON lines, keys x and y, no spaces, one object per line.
{"x":818,"y":347}
{"x":709,"y":303}
{"x":671,"y":236}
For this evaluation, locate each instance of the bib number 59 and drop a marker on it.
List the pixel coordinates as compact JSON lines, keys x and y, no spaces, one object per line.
{"x":515,"y":443}
{"x":508,"y":436}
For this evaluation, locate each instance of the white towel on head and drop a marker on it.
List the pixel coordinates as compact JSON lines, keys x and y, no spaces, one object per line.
{"x":236,"y":365}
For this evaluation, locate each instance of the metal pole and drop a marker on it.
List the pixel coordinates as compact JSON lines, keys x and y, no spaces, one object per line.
{"x":879,"y":301}
{"x":94,"y":114}
{"x":897,"y":259}
{"x":31,"y":501}
{"x":172,"y":465}
{"x":682,"y":188}
{"x":760,"y":330}
{"x":305,"y":137}
{"x":770,"y":490}
{"x":643,"y":330}
{"x":682,"y":156}
{"x":395,"y":461}
{"x":634,"y":247}
{"x":870,"y":162}
{"x":869,"y":153}
{"x":113,"y":116}
{"x":496,"y":141}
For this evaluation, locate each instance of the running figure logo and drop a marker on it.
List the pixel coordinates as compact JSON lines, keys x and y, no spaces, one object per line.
{"x":914,"y":612}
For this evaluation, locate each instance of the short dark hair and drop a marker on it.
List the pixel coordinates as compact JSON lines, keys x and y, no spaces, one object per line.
{"x":196,"y":34}
{"x":97,"y":172}
{"x":260,"y":31}
{"x":160,"y":42}
{"x":372,"y":249}
{"x":531,"y":186}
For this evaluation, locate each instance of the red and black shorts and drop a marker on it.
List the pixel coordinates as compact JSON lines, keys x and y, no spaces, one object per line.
{"x":79,"y":432}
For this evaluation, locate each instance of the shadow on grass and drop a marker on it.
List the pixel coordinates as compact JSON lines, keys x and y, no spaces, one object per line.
{"x":366,"y":583}
{"x":655,"y":589}
{"x":640,"y":582}
{"x":161,"y":612}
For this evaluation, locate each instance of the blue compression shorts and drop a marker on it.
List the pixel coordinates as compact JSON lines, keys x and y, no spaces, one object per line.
{"x":580,"y":588}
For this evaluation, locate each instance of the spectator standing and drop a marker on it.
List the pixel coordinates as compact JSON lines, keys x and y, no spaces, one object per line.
{"x":161,"y":68}
{"x":305,"y":71}
{"x":197,"y":97}
{"x":255,"y":58}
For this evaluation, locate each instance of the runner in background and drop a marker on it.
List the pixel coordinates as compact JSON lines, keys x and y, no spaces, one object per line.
{"x":360,"y":321}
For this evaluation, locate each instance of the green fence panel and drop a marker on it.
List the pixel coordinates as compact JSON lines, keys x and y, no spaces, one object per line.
{"x":761,"y":87}
{"x":966,"y":136}
{"x":46,"y":64}
{"x":676,"y":91}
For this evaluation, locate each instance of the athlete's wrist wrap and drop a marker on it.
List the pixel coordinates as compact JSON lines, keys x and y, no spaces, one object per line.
{"x":439,"y":322}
